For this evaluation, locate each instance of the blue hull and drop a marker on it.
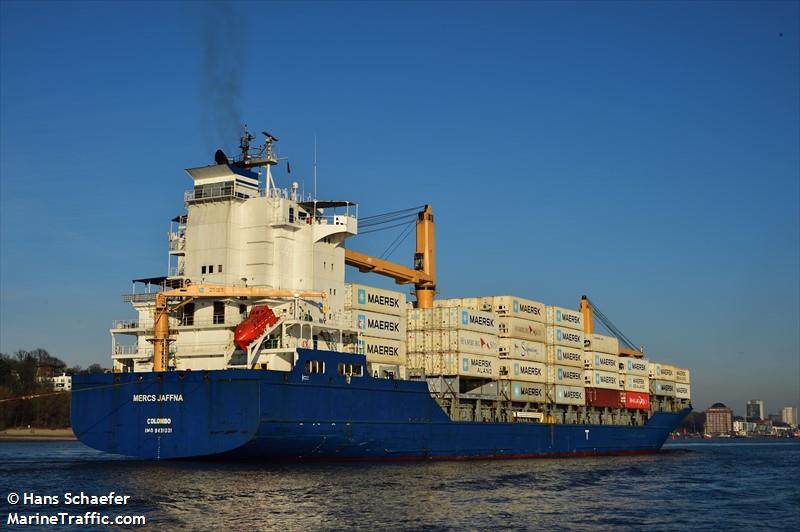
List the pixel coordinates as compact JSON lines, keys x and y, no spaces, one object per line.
{"x":271,"y":415}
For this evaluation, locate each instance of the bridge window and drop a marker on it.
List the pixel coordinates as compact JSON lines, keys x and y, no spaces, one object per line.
{"x":314,"y":366}
{"x":351,"y":370}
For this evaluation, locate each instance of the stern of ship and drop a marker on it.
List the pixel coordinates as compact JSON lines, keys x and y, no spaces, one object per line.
{"x":177,"y":414}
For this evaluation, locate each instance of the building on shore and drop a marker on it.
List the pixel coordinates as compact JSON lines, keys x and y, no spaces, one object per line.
{"x":62,"y":383}
{"x":789,"y":415}
{"x":719,"y":419}
{"x":755,"y":410}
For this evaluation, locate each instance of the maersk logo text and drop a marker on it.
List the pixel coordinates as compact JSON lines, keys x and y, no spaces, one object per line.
{"x":383,"y":350}
{"x":384,"y":301}
{"x":383,"y":325}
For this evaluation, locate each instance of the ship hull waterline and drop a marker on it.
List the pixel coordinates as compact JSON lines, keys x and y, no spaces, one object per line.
{"x":288,"y":416}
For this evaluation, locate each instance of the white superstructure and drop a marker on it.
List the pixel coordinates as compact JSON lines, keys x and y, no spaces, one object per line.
{"x":241,"y":230}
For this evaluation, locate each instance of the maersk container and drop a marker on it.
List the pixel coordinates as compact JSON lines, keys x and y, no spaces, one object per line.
{"x":601,"y":343}
{"x":527,"y":392}
{"x":564,"y":317}
{"x":378,"y":325}
{"x":518,"y":308}
{"x":563,"y":336}
{"x":569,"y":395}
{"x":683,"y":391}
{"x":511,"y":327}
{"x":418,"y":320}
{"x":634,"y":366}
{"x":467,"y":342}
{"x":523,"y":370}
{"x":464,"y":365}
{"x":663,"y":372}
{"x":383,"y":350}
{"x":662,"y":388}
{"x":420,"y":341}
{"x":601,"y":379}
{"x":682,"y":375}
{"x":636,"y":383}
{"x":564,"y":356}
{"x":635,"y":400}
{"x":522,"y":349}
{"x":466,"y":319}
{"x":603,"y":398}
{"x":474,"y":303}
{"x":359,"y":296}
{"x":567,"y":375}
{"x":601,"y":361}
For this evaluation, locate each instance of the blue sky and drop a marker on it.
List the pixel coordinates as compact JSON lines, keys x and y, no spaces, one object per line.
{"x":645,"y":154}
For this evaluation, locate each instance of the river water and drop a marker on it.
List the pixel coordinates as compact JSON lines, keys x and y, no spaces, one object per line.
{"x":727,"y":484}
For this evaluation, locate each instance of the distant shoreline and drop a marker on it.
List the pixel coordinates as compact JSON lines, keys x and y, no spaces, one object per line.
{"x":34,"y":434}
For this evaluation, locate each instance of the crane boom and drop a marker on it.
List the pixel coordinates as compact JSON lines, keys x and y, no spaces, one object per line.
{"x":422,"y":275}
{"x":194,"y":291}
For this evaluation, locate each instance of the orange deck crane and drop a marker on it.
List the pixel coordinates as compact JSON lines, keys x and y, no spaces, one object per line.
{"x":190,"y":292}
{"x":422,"y":275}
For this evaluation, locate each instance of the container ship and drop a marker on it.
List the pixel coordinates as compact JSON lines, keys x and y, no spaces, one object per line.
{"x":253,"y":346}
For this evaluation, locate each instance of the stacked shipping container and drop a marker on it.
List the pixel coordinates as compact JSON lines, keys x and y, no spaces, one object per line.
{"x":564,"y":345}
{"x":380,"y":318}
{"x":522,"y":350}
{"x":453,"y":341}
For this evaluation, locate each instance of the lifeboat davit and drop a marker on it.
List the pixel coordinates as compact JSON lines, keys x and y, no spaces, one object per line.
{"x":261,"y":317}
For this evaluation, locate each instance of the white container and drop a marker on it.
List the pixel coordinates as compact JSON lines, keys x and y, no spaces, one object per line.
{"x":467,"y":342}
{"x":564,"y":356}
{"x":635,"y":383}
{"x":383,"y":350}
{"x":663,"y":372}
{"x":444,"y":303}
{"x":601,"y":343}
{"x":518,"y":307}
{"x":683,"y":390}
{"x":564,"y":317}
{"x":464,"y":318}
{"x":569,"y":395}
{"x":415,"y":319}
{"x":528,"y":392}
{"x":601,"y":379}
{"x":565,"y":337}
{"x":522,"y":349}
{"x":511,"y":327}
{"x":682,"y":375}
{"x":601,"y":361}
{"x":567,"y":375}
{"x":420,"y":341}
{"x":464,"y":365}
{"x":635,"y":366}
{"x":359,"y":296}
{"x":473,"y":303}
{"x":378,"y":325}
{"x":662,"y":388}
{"x":523,"y":370}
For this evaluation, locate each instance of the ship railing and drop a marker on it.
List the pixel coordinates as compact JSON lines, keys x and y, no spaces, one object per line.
{"x":193,"y":321}
{"x":145,"y":297}
{"x":210,"y":192}
{"x":126,"y":349}
{"x":125,"y":324}
{"x":177,"y":243}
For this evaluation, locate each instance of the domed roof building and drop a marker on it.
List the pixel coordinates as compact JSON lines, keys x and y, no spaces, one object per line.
{"x":719,"y":419}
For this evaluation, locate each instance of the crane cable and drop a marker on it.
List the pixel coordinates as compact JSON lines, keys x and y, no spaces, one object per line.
{"x":606,"y":321}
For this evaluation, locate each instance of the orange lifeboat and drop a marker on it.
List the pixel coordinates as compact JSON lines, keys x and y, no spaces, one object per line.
{"x":261,"y":317}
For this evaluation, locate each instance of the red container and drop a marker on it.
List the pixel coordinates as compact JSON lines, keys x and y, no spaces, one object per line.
{"x":636,"y":400}
{"x":603,"y":398}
